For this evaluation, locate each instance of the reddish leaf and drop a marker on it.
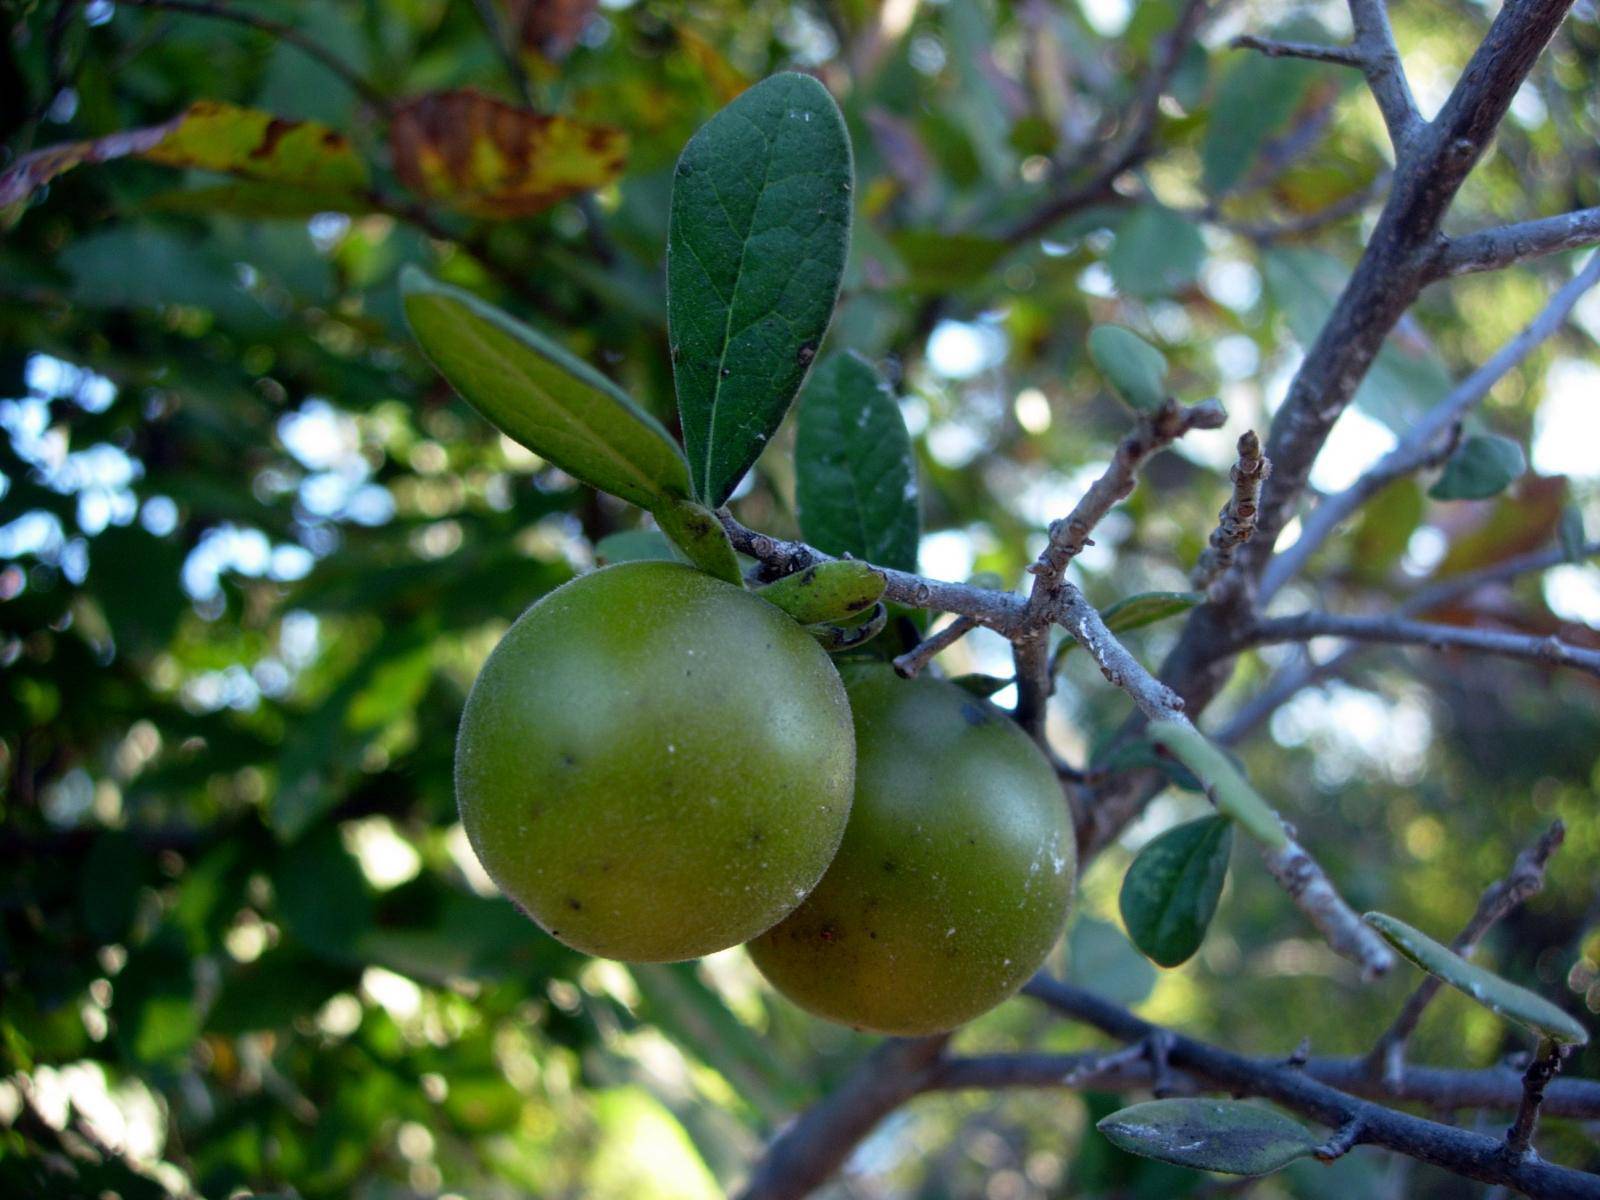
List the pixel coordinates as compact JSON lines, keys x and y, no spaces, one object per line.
{"x":549,"y":28}
{"x":490,"y":159}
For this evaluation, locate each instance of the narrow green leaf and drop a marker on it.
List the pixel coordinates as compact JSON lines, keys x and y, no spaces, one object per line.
{"x":829,"y":591}
{"x":635,"y":545}
{"x":1170,"y":893}
{"x":1215,"y":769}
{"x":1156,"y":253}
{"x":856,"y":485}
{"x":1481,"y":467}
{"x":695,"y":530}
{"x":755,"y":251}
{"x":541,"y":396}
{"x":1135,"y":369}
{"x":1210,"y":1135}
{"x":1135,"y":612}
{"x":1571,"y":535}
{"x":1488,"y":989}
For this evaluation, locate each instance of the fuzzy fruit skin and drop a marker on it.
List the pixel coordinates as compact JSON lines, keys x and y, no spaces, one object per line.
{"x":654,"y":764}
{"x":955,"y":875}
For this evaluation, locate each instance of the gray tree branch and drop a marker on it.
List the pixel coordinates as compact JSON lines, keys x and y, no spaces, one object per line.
{"x":1492,"y":249}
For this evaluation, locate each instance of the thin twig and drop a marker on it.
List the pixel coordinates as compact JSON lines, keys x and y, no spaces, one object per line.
{"x":1419,"y":446}
{"x":1546,"y":1063}
{"x":1549,"y":651}
{"x":1313,"y":893}
{"x":283,"y":32}
{"x":1341,"y":56}
{"x":910,"y":664}
{"x":1525,"y":879}
{"x":1237,"y":520}
{"x":1386,"y":77}
{"x":1492,"y":249}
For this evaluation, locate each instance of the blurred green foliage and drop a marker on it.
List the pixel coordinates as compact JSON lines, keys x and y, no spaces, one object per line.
{"x":252,"y":552}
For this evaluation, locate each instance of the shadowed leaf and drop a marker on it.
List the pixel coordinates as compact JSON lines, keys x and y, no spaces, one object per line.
{"x":1481,"y":467}
{"x":1210,"y":1135}
{"x":541,"y":396}
{"x":1135,"y":369}
{"x":1157,"y":252}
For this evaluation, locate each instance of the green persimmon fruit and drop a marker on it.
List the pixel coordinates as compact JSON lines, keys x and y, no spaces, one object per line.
{"x":654,"y":764}
{"x":955,"y":875}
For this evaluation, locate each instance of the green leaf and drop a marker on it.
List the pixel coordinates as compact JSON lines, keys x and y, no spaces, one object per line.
{"x":756,"y":249}
{"x":1210,"y":1135}
{"x":1482,"y":466}
{"x":1488,"y":989}
{"x":982,"y":685}
{"x":1571,"y":535}
{"x":1135,"y":369}
{"x":1135,"y":612}
{"x":1255,"y":98}
{"x":829,"y":591}
{"x":1227,"y":786}
{"x":635,"y":545}
{"x":856,"y":480}
{"x":1157,"y":252}
{"x":695,"y":530}
{"x":1170,"y":893}
{"x":541,"y":396}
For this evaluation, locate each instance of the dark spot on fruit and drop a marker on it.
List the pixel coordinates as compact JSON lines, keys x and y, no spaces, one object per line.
{"x":890,"y":866}
{"x":574,"y":904}
{"x":974,"y":714}
{"x":757,"y":837}
{"x":828,"y":933}
{"x":569,"y":760}
{"x":972,"y":841}
{"x":873,"y":934}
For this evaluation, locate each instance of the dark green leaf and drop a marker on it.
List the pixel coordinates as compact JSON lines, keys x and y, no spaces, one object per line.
{"x":856,"y":485}
{"x":112,"y":873}
{"x":759,"y":228}
{"x":1210,"y":1135}
{"x":1171,"y":891}
{"x":829,"y":591}
{"x":1488,"y":989}
{"x":540,"y":395}
{"x":941,"y":262}
{"x":1482,"y":466}
{"x":1157,"y":252}
{"x":982,"y":685}
{"x":1135,"y":369}
{"x":695,"y":530}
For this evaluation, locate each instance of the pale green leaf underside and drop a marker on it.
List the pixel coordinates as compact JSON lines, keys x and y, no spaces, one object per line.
{"x":1209,"y":1135}
{"x":856,"y":475}
{"x":756,"y":246}
{"x":1232,"y":793}
{"x":538,"y":394}
{"x":1488,"y":989}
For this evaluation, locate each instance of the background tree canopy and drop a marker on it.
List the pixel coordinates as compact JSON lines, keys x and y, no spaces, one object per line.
{"x":253,"y":550}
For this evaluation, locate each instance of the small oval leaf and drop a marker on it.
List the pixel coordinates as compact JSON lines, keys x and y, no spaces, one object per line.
{"x":1135,"y":369}
{"x":1481,"y":467}
{"x":695,"y":530}
{"x":1488,"y":989}
{"x":755,"y":253}
{"x":856,"y":475}
{"x":538,"y":394}
{"x":1209,"y":1135}
{"x":829,"y":591}
{"x":1227,"y":786}
{"x":1170,"y":893}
